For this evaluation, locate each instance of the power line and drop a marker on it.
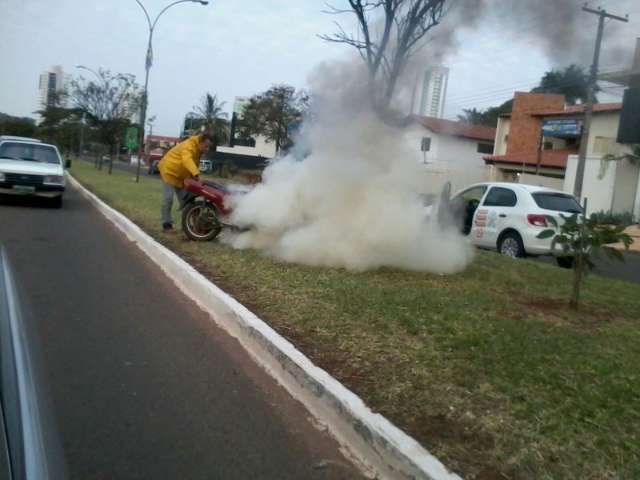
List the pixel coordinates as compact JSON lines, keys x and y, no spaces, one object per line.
{"x":500,"y":93}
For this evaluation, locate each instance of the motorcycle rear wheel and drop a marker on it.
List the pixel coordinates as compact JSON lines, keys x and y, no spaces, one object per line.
{"x":200,"y":222}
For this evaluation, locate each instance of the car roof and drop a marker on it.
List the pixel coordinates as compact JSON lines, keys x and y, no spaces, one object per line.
{"x":14,"y":138}
{"x":522,"y":186}
{"x":27,"y":141}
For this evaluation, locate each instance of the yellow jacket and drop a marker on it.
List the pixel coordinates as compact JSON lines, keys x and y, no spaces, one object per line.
{"x":181,"y":162}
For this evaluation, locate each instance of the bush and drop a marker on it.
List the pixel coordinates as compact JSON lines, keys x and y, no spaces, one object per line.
{"x":623,"y":218}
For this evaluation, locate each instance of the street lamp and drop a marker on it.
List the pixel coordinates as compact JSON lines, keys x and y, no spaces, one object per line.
{"x":147,"y":66}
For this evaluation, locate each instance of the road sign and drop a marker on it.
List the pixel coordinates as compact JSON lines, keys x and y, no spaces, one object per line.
{"x":131,"y":140}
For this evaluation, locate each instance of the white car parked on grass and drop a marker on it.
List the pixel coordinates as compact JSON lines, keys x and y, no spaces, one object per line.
{"x":508,"y":217}
{"x":30,"y":167}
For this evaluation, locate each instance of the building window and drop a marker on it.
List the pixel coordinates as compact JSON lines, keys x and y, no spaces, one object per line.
{"x":547,"y":146}
{"x":485,"y":148}
{"x":506,"y":138}
{"x":425,"y":144}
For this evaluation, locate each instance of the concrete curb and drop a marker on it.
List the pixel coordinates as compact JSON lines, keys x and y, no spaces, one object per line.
{"x":370,"y":439}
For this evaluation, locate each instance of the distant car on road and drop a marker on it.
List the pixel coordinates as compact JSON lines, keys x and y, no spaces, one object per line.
{"x":508,"y":217}
{"x":30,"y":167}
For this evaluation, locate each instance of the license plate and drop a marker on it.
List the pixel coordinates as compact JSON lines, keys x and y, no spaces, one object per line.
{"x":24,"y":188}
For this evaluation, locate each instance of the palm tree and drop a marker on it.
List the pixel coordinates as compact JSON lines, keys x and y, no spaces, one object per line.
{"x":213,"y":118}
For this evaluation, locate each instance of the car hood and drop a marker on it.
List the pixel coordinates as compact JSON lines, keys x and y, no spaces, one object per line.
{"x":30,"y":168}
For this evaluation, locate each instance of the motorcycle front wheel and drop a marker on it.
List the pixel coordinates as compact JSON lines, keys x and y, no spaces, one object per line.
{"x":200,"y":222}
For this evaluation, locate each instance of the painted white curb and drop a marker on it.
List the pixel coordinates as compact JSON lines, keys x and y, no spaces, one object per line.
{"x":370,"y":438}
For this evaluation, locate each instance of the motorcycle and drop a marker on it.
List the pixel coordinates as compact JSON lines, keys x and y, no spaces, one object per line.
{"x":204,"y":208}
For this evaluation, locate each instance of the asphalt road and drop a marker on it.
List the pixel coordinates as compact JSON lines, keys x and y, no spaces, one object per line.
{"x":629,"y":270}
{"x":142,"y":384}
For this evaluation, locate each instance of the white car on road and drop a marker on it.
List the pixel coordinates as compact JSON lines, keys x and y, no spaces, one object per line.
{"x":30,"y":167}
{"x":508,"y":217}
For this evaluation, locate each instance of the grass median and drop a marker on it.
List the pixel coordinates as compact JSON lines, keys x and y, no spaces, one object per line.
{"x":488,"y":369}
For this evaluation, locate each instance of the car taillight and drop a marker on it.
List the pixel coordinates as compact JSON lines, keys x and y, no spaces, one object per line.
{"x":537,"y":220}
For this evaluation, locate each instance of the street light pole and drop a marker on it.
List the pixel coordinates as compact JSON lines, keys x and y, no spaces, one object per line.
{"x":147,"y":67}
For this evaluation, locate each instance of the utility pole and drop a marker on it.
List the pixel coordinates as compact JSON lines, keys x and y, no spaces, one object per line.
{"x":588,"y":108}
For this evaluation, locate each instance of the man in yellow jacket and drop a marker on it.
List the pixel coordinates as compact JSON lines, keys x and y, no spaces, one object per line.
{"x":178,"y":164}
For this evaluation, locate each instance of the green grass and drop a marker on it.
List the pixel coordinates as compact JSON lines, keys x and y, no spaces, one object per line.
{"x":488,"y":369}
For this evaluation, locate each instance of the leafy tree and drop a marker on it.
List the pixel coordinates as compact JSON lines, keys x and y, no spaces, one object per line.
{"x":581,"y":239}
{"x":572,"y":82}
{"x":210,"y":115}
{"x":488,"y":117}
{"x":19,"y":126}
{"x":385,"y":44}
{"x":61,"y":126}
{"x":109,"y":103}
{"x":273,"y":113}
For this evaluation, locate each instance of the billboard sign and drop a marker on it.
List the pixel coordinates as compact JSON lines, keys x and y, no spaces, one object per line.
{"x":131,"y":139}
{"x":562,"y":128}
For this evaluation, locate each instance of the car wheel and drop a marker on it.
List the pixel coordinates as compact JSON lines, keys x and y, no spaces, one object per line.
{"x":511,"y":245}
{"x":565,"y":262}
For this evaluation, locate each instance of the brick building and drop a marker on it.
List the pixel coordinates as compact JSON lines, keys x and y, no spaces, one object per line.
{"x":541,"y":133}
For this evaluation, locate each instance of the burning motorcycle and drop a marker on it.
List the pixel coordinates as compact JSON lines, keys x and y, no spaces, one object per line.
{"x":204,"y":208}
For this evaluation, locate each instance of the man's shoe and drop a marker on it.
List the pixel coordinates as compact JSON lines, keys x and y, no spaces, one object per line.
{"x":167,"y":227}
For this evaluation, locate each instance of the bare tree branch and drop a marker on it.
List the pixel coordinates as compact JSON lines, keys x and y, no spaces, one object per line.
{"x":406,"y":21}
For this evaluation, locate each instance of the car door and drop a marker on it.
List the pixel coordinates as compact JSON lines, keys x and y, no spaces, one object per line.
{"x":496,"y":213}
{"x":464,"y":206}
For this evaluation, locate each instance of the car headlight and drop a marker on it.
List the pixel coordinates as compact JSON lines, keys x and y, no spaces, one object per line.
{"x":53,"y":180}
{"x":2,"y":177}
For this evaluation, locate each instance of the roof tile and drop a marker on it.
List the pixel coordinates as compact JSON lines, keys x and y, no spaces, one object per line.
{"x":457,"y":129}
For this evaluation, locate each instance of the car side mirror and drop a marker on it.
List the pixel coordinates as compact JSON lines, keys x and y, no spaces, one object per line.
{"x":67,"y":164}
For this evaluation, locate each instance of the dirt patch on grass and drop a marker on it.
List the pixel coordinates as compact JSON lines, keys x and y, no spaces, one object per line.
{"x":559,"y":312}
{"x":439,"y":429}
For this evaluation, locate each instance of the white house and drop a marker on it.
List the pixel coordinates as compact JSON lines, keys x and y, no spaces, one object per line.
{"x":258,"y":147}
{"x":452,"y":151}
{"x":609,"y":186}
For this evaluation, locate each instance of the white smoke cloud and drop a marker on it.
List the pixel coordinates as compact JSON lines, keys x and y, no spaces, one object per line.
{"x":355,"y":201}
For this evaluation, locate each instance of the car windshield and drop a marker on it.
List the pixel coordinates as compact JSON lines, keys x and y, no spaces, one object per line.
{"x":29,"y":152}
{"x":557,"y":201}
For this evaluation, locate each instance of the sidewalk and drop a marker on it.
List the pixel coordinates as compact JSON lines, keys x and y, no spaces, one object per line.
{"x":634,"y":232}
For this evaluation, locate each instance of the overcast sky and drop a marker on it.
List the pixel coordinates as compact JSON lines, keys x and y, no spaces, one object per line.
{"x":241,"y":47}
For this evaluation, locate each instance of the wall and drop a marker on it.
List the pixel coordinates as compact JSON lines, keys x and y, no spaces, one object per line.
{"x":604,"y":126}
{"x":599,"y":192}
{"x":435,"y":177}
{"x":262,"y":148}
{"x":525,"y":129}
{"x":626,"y":183}
{"x":413,"y":138}
{"x":617,"y":191}
{"x":542,"y":181}
{"x":502,"y":130}
{"x":450,"y":159}
{"x":448,"y":151}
